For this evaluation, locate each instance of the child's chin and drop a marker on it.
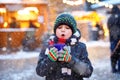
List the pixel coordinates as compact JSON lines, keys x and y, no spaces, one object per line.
{"x":62,"y":36}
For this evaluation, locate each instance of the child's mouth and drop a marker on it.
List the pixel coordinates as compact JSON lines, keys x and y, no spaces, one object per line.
{"x":63,"y":35}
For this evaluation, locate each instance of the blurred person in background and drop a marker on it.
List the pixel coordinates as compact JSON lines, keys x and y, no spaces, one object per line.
{"x":30,"y":42}
{"x":100,"y":31}
{"x":114,"y":35}
{"x":31,"y":33}
{"x":31,"y":25}
{"x":14,"y":23}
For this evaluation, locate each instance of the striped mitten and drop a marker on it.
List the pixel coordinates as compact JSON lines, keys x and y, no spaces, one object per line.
{"x":64,"y":56}
{"x":52,"y":54}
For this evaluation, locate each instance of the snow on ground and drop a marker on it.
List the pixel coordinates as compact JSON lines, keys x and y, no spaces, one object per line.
{"x":23,"y":54}
{"x":26,"y":69}
{"x":19,"y":66}
{"x":97,"y":43}
{"x":19,"y":55}
{"x":102,"y":71}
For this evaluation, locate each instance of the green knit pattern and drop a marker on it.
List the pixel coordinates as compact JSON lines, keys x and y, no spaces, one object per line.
{"x":66,"y":19}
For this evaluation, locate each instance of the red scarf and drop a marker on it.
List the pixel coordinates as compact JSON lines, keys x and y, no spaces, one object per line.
{"x":60,"y":41}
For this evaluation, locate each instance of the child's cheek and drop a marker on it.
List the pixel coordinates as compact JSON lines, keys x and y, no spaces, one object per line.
{"x":66,"y":37}
{"x":58,"y":34}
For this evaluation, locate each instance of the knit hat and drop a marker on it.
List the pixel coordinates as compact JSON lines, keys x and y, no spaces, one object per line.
{"x":65,"y":19}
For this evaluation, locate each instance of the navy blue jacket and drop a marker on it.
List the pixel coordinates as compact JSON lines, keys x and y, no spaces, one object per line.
{"x":114,"y":27}
{"x":80,"y":65}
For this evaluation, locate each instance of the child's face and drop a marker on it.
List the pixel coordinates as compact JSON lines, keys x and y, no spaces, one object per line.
{"x":63,"y":31}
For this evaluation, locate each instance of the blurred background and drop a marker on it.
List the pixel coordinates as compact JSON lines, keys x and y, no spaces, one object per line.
{"x":25,"y":26}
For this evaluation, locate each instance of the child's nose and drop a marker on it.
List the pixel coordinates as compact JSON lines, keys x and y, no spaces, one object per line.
{"x":63,"y":29}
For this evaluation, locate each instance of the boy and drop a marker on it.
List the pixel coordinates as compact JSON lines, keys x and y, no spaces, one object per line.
{"x":65,"y":58}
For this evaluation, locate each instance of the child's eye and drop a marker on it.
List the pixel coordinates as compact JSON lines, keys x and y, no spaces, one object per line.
{"x":59,"y":27}
{"x":67,"y":28}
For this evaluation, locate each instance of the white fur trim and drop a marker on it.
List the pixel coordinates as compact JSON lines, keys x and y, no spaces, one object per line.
{"x":77,"y":34}
{"x":73,"y":41}
{"x":46,"y":51}
{"x":52,"y":38}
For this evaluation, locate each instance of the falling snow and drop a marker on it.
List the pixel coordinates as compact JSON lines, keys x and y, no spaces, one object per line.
{"x":21,"y":65}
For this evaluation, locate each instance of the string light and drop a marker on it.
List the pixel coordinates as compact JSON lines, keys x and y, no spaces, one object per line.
{"x":2,"y":10}
{"x":74,"y":2}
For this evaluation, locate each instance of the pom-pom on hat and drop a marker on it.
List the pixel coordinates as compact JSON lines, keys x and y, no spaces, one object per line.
{"x":65,"y":19}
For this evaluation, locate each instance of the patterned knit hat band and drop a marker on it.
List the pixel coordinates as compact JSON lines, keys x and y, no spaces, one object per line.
{"x":65,"y":19}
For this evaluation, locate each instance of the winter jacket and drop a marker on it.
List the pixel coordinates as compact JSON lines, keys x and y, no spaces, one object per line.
{"x":114,"y":27}
{"x":80,"y":65}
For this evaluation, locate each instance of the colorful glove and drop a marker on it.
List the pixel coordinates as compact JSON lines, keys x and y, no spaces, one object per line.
{"x":64,"y":55}
{"x":53,"y":54}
